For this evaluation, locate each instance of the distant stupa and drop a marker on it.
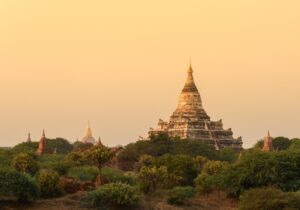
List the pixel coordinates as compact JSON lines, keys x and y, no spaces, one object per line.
{"x":88,"y":136}
{"x":99,"y":143}
{"x":28,"y":138}
{"x":43,"y":145}
{"x":190,"y":121}
{"x":268,"y":145}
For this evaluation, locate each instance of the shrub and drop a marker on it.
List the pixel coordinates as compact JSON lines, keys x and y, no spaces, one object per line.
{"x":13,"y":183}
{"x":61,"y":167}
{"x":228,"y":154}
{"x":214,"y":167}
{"x":25,"y":147}
{"x":269,"y":198}
{"x":179,"y":165}
{"x":48,"y":180}
{"x":179,"y":195}
{"x":60,"y":145}
{"x":152,"y":178}
{"x":77,"y":158}
{"x":258,"y":169}
{"x":25,"y":163}
{"x":200,"y":161}
{"x":160,"y":145}
{"x":295,"y":145}
{"x":281,"y":143}
{"x":114,"y":194}
{"x":84,"y":173}
{"x":203,"y":183}
{"x":114,"y":175}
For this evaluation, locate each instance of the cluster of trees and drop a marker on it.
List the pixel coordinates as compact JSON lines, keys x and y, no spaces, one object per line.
{"x":179,"y":169}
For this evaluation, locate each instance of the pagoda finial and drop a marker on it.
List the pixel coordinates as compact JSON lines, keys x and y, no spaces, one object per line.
{"x":190,"y":69}
{"x":44,"y":133}
{"x":29,"y":137}
{"x":268,"y":134}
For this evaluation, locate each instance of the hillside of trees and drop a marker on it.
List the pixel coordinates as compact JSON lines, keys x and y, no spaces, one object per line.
{"x":160,"y":173}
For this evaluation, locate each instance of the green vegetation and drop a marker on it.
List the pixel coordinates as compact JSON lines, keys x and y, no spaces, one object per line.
{"x":114,"y":175}
{"x":153,"y":178}
{"x":84,"y":173}
{"x":14,"y":183}
{"x":114,"y":194}
{"x":269,"y":198}
{"x":25,"y":163}
{"x":48,"y":181}
{"x":174,"y":169}
{"x":179,"y":195}
{"x":99,"y":155}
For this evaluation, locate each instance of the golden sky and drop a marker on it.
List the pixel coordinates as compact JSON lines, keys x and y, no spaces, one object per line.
{"x":122,"y":64}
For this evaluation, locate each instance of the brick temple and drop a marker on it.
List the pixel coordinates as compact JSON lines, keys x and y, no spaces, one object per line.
{"x":190,"y":121}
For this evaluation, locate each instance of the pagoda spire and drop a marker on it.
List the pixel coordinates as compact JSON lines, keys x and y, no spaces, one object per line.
{"x":190,"y":97}
{"x":268,"y":146}
{"x":88,"y":135}
{"x":43,"y":145}
{"x":29,"y":137}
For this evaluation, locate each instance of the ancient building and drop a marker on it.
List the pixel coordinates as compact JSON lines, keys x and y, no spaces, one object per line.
{"x":43,"y":145}
{"x":268,"y":146}
{"x":190,"y":121}
{"x":88,"y":136}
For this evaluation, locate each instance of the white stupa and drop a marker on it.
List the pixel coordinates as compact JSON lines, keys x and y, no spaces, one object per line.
{"x":88,"y":136}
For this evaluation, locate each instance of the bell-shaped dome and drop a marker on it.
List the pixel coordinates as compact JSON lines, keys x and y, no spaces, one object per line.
{"x":190,"y":97}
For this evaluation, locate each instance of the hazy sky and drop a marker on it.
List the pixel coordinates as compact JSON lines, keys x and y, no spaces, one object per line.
{"x":122,"y":64}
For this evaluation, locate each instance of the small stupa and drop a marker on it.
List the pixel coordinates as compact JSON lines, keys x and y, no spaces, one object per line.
{"x":268,"y":145}
{"x":88,"y":136}
{"x":43,"y":145}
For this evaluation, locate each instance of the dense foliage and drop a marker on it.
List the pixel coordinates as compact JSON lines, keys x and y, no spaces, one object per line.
{"x":14,"y":183}
{"x":269,"y":198}
{"x":84,"y":173}
{"x":179,"y":195}
{"x":114,"y":175}
{"x":114,"y":194}
{"x":25,"y":163}
{"x":258,"y":169}
{"x":160,"y":166}
{"x":48,"y":181}
{"x":153,"y":178}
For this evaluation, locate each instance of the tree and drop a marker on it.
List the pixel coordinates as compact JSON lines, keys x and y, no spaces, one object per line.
{"x":295,"y":145}
{"x":81,"y":147}
{"x":281,"y":143}
{"x":14,"y":183}
{"x":182,"y":166}
{"x":60,"y":145}
{"x":152,"y":178}
{"x":100,"y":155}
{"x":200,"y":160}
{"x":25,"y":147}
{"x":228,"y":154}
{"x":214,"y":167}
{"x":25,"y":163}
{"x":48,"y":181}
